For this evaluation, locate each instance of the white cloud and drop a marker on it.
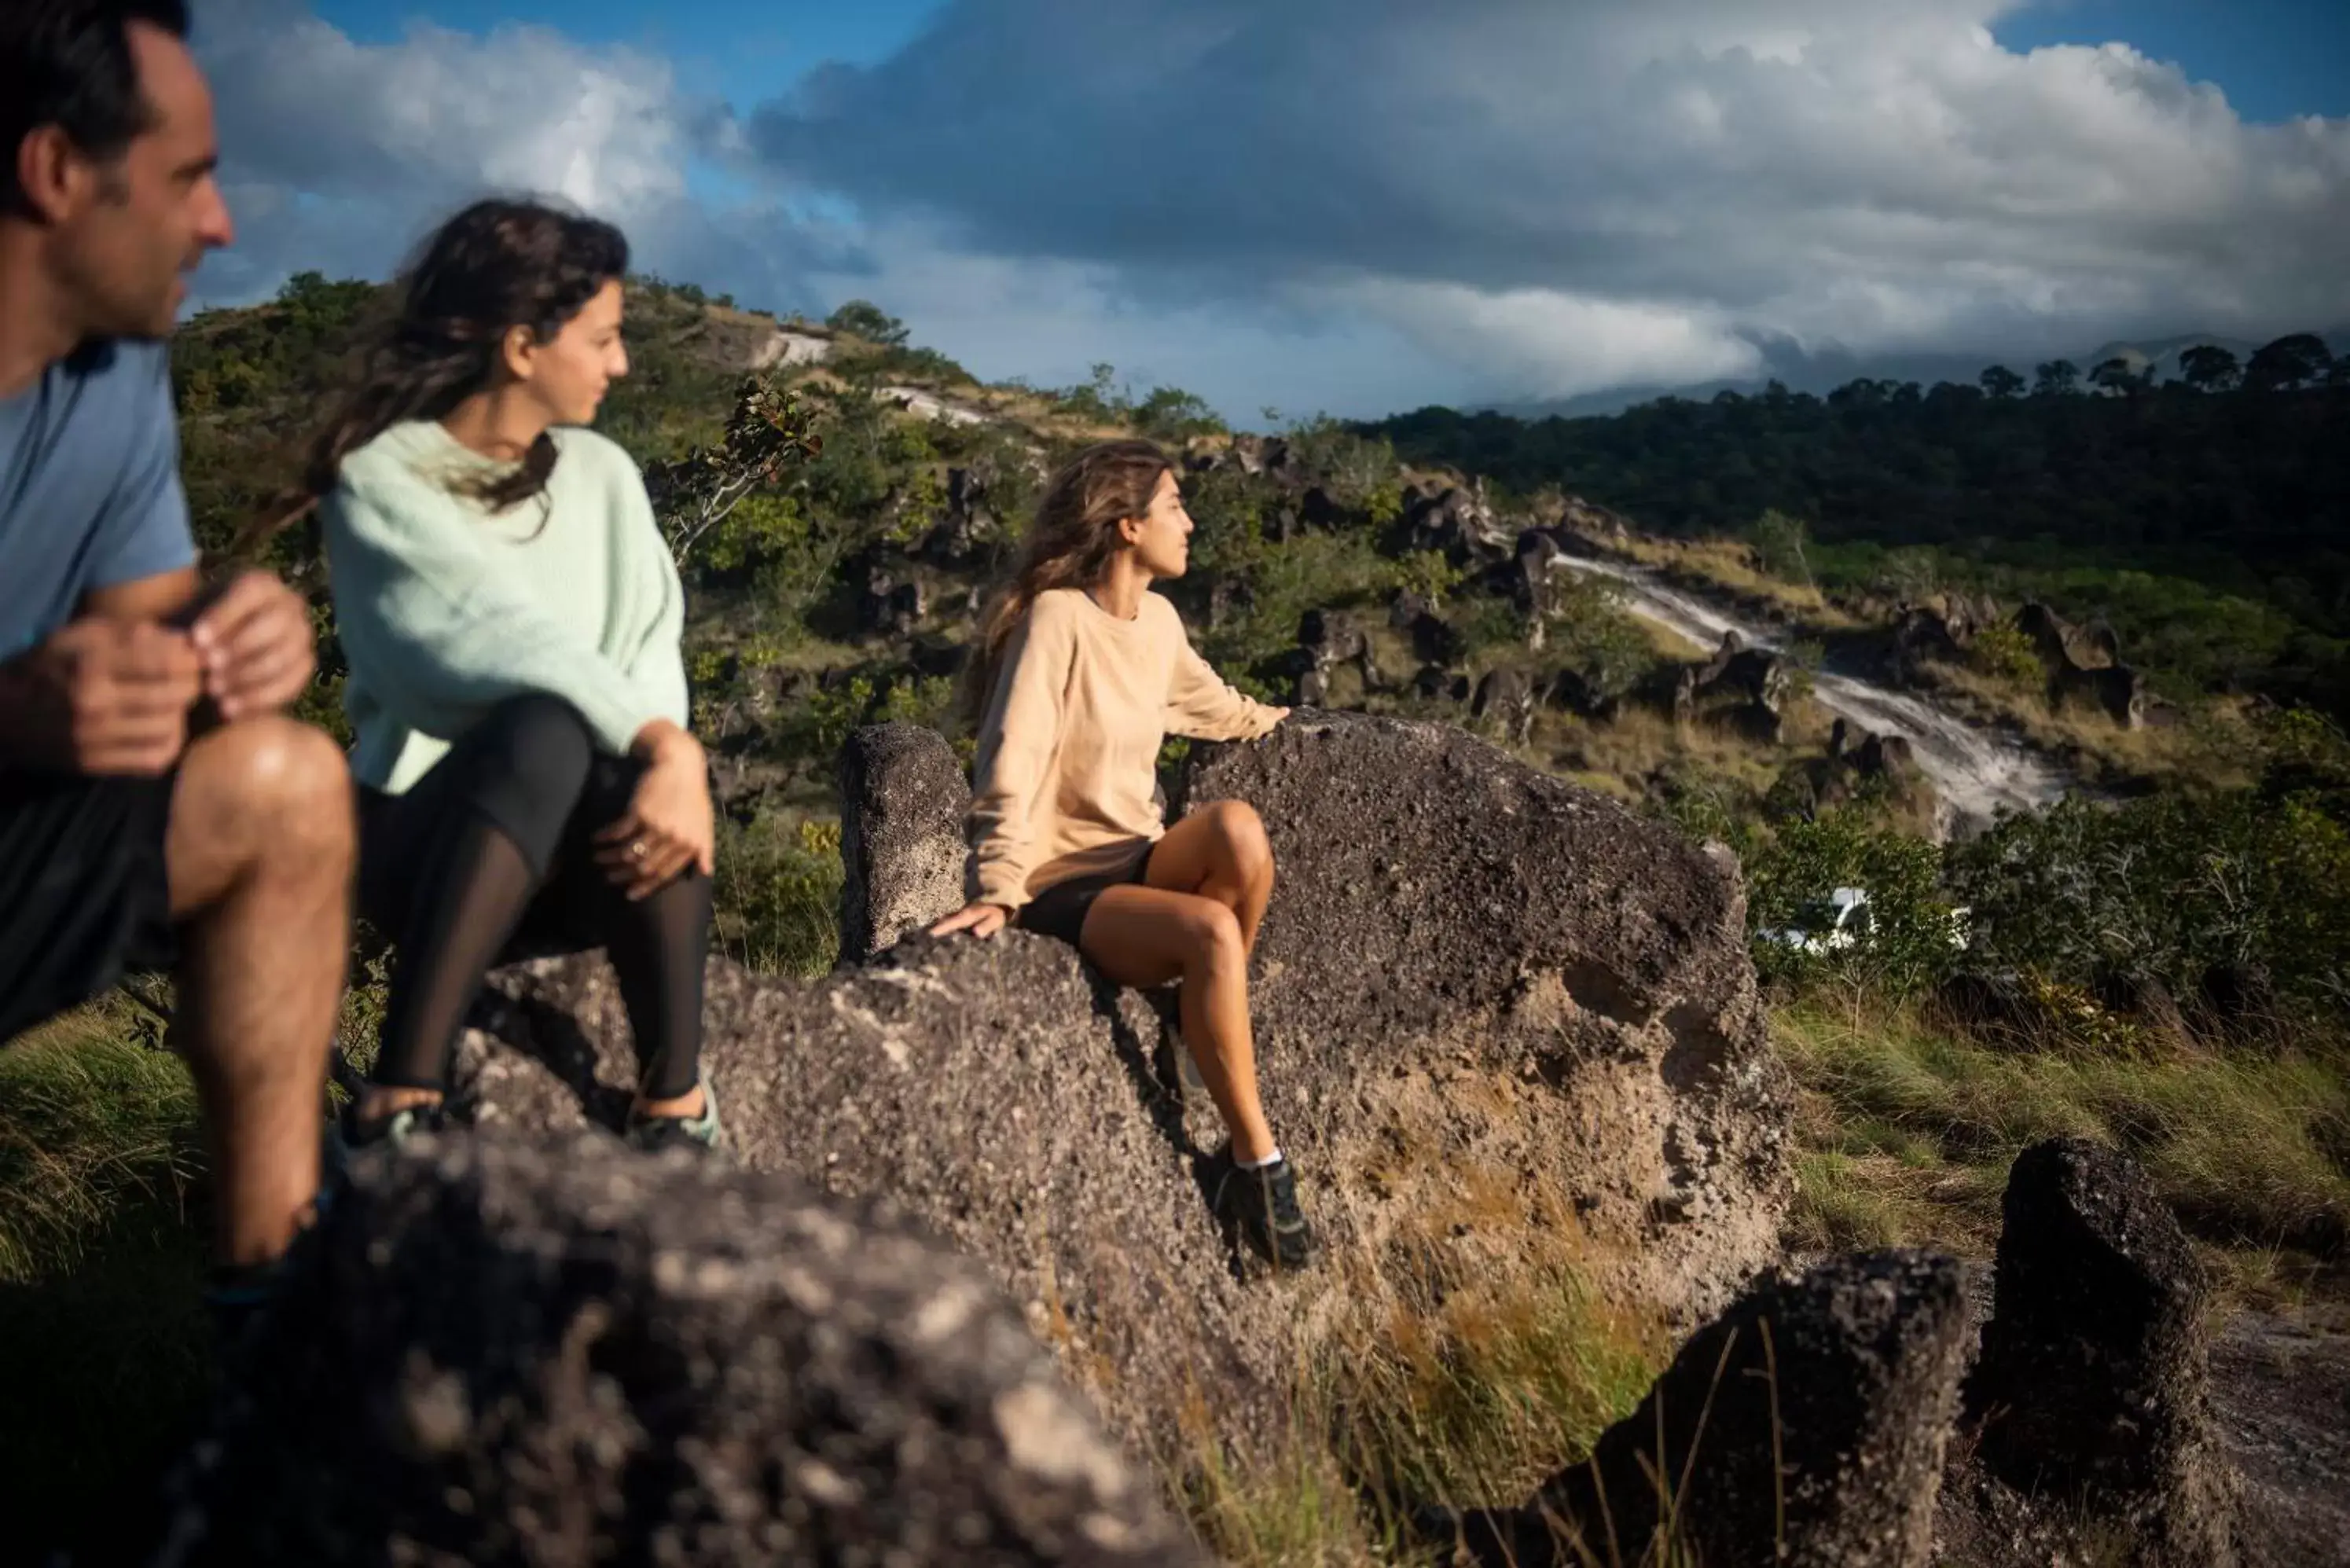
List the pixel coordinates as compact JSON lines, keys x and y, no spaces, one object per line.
{"x":340,"y":156}
{"x":1622,"y":188}
{"x":1358,"y":205}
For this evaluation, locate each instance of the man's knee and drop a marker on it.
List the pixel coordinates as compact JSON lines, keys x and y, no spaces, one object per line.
{"x":284,"y":783}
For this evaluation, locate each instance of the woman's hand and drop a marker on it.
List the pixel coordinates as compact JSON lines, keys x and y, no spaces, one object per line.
{"x":979,"y":920}
{"x":669,"y":824}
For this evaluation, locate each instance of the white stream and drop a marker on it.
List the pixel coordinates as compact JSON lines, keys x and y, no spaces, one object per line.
{"x":1976,"y":773}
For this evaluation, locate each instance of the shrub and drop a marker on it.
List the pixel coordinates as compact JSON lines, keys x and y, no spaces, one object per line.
{"x":1909,"y":946}
{"x":2007,"y":656}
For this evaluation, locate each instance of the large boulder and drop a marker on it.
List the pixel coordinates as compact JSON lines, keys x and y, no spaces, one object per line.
{"x":2088,"y":1412}
{"x":1805,"y":1426}
{"x":900,"y":784}
{"x":1474,"y":978}
{"x":510,"y":1351}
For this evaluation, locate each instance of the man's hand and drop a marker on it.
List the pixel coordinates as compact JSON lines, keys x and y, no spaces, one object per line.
{"x":255,"y":641}
{"x":979,"y":920}
{"x":101,"y":697}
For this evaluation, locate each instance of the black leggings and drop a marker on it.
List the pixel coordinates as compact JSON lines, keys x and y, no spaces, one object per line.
{"x":491,"y":855}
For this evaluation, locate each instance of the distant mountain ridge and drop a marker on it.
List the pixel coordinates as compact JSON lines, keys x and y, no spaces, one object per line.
{"x":1821,"y":373}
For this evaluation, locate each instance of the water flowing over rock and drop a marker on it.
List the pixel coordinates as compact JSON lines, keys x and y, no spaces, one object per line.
{"x":1471,"y":973}
{"x":509,"y":1352}
{"x":1975,"y":773}
{"x":1805,"y":1426}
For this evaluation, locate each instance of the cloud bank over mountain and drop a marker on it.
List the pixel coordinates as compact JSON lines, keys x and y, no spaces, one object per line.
{"x":1353,"y":203}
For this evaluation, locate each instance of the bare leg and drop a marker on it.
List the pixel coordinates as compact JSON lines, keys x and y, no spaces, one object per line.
{"x":1220,"y":852}
{"x":259,"y":854}
{"x":1145,"y":936}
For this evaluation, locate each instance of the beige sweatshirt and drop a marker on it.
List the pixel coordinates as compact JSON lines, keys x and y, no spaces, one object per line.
{"x":1068,"y":750}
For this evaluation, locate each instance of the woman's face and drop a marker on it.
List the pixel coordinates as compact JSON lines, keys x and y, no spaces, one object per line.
{"x":1161,"y":536}
{"x":569,"y":375}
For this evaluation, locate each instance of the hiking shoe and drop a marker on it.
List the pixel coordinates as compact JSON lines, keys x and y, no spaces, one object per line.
{"x":652,"y":1134}
{"x":395,"y":1129}
{"x":1262,"y":1204}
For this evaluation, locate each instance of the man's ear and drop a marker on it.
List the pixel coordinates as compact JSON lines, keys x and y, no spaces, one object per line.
{"x":52,"y":173}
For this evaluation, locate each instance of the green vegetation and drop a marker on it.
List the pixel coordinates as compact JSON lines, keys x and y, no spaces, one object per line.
{"x":2205,"y":523}
{"x":833,"y":544}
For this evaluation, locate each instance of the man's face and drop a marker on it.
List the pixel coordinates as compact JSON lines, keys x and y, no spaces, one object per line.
{"x":128,"y":233}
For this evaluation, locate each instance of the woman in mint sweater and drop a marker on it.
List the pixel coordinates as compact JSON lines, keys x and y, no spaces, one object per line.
{"x":511,"y":616}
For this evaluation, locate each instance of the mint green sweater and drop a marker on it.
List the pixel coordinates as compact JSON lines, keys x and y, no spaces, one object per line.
{"x":445,"y":610}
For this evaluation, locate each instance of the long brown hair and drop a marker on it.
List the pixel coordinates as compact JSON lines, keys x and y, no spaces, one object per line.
{"x":1073,"y":538}
{"x":496,"y":266}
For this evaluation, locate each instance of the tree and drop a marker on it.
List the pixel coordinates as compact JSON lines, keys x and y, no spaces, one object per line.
{"x":1779,"y":540}
{"x":2116,"y":375}
{"x":770,"y":429}
{"x":2289,"y":364}
{"x":2208,"y":368}
{"x":868,"y":321}
{"x":1999,"y":381}
{"x":2057,"y":378}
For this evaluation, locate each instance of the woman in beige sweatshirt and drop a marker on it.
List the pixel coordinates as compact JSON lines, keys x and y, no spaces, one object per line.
{"x":1081,"y":674}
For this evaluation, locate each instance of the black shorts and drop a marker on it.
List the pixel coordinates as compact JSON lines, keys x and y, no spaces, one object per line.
{"x":1060,"y":910}
{"x":84,"y":898}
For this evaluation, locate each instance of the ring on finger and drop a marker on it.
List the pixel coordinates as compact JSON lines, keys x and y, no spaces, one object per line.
{"x":636,"y":849}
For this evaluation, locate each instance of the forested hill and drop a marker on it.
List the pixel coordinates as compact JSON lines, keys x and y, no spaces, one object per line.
{"x":2241,"y":485}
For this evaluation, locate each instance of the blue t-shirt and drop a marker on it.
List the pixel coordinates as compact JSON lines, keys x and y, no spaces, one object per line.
{"x":89,"y":486}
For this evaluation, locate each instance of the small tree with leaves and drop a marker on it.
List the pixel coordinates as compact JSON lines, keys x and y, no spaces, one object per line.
{"x":1779,"y":539}
{"x":2117,"y":377}
{"x":2057,"y":378}
{"x":1999,"y":381}
{"x":2208,"y":368}
{"x":868,"y":321}
{"x":770,"y":430}
{"x":2289,"y":364}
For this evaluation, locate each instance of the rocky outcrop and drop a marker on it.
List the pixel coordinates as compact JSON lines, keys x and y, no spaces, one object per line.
{"x":1806,"y":1425}
{"x":1326,"y":641}
{"x":899,"y":783}
{"x":1745,"y":689}
{"x":1471,"y":972}
{"x":508,"y":1351}
{"x":1434,"y":639}
{"x":1459,"y":523}
{"x":2088,"y":1414}
{"x":1508,"y":698}
{"x":2085,"y":665}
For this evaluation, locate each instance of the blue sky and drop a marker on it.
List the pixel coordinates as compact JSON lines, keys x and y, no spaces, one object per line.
{"x":1354,"y":205}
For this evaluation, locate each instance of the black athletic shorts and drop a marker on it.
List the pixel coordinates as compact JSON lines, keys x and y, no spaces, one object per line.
{"x":1060,"y":910}
{"x":85,"y":899}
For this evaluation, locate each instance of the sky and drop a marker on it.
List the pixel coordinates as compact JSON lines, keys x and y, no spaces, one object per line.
{"x":1351,"y":206}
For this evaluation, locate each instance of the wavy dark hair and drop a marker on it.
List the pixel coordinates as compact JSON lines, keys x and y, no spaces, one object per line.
{"x":1073,"y":538}
{"x":495,"y":266}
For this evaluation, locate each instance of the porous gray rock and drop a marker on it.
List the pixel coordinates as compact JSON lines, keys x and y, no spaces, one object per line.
{"x":2088,"y":1411}
{"x":1805,"y":1426}
{"x":1472,"y":976}
{"x":504,"y":1351}
{"x":902,"y":845}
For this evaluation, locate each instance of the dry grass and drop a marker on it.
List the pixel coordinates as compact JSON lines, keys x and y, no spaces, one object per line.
{"x":1448,"y":1379}
{"x":2213,"y":747}
{"x":1727,"y":567}
{"x":102,"y":1338}
{"x":1908,"y":1131}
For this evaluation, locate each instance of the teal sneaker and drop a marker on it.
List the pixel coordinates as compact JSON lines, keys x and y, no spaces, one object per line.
{"x":652,"y":1134}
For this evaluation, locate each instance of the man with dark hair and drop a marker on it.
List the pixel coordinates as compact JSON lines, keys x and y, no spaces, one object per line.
{"x":158,"y":807}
